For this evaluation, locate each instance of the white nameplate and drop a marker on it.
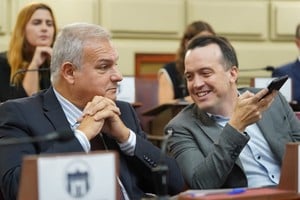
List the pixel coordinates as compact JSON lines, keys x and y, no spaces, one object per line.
{"x":83,"y":176}
{"x":126,"y":89}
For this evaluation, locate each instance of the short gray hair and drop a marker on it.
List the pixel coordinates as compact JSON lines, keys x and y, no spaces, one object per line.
{"x":69,"y":44}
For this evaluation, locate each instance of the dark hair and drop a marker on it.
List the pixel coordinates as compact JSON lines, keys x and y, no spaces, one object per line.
{"x":228,"y":52}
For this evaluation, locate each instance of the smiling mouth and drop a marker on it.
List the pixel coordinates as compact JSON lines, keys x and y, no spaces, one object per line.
{"x":202,"y":94}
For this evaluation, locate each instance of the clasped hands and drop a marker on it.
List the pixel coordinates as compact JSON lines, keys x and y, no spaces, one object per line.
{"x":249,"y":108}
{"x":102,"y":115}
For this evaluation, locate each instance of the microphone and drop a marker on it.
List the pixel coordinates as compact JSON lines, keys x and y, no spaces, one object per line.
{"x":267,"y":68}
{"x":270,"y":68}
{"x":61,"y":136}
{"x":21,"y":71}
{"x":161,"y":170}
{"x":165,"y":141}
{"x":182,"y":86}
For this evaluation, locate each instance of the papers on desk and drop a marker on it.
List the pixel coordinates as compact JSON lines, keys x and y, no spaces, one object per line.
{"x":238,"y":193}
{"x":199,"y":193}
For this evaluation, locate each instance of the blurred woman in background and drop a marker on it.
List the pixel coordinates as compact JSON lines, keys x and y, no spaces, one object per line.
{"x":24,"y":68}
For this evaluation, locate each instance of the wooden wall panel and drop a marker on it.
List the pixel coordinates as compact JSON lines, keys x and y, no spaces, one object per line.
{"x":284,"y":18}
{"x":4,"y":20}
{"x":235,"y":18}
{"x":4,"y":24}
{"x":255,"y":55}
{"x":128,"y":48}
{"x":141,"y":18}
{"x":66,"y":11}
{"x":261,"y":30}
{"x":259,"y":55}
{"x":148,"y":64}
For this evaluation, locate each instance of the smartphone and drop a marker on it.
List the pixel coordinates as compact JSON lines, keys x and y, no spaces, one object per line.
{"x":276,"y":84}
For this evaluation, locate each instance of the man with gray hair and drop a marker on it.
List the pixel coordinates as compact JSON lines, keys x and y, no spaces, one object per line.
{"x":292,"y":69}
{"x":85,"y":76}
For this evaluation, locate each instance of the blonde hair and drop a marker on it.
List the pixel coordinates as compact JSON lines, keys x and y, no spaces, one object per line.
{"x":18,"y":47}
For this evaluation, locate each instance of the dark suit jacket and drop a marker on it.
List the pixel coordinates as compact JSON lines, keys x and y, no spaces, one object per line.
{"x":42,"y":114}
{"x":293,"y":71}
{"x":208,"y":154}
{"x":8,"y":91}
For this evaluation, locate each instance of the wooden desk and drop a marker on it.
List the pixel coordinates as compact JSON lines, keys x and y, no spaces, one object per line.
{"x":162,"y":114}
{"x":136,"y":104}
{"x":250,"y":194}
{"x":286,"y":190}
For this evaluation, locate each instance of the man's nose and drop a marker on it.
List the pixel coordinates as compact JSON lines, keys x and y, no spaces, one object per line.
{"x":198,"y":81}
{"x":116,"y":75}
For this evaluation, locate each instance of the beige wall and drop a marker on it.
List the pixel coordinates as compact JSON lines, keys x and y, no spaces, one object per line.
{"x":260,"y":30}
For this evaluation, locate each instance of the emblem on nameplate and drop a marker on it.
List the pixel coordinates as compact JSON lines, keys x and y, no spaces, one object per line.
{"x":78,"y":179}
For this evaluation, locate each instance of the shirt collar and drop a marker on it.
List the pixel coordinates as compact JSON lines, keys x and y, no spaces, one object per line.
{"x":221,"y":118}
{"x":71,"y":111}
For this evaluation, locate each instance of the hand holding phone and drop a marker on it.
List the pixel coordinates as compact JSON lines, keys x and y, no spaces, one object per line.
{"x":276,"y":84}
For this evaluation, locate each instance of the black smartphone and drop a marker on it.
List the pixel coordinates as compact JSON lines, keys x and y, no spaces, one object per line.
{"x":276,"y":84}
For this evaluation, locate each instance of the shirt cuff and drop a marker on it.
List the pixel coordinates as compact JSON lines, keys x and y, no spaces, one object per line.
{"x":128,"y":147}
{"x":83,"y":140}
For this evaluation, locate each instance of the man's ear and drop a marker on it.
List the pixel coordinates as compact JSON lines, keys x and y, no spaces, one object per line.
{"x":68,"y":72}
{"x":234,"y":73}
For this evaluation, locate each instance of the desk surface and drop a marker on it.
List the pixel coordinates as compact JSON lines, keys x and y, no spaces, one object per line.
{"x":249,"y":194}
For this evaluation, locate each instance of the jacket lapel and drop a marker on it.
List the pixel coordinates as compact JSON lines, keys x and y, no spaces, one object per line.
{"x":53,"y":111}
{"x":209,"y":127}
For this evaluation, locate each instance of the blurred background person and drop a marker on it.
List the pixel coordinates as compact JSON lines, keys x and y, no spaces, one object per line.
{"x":29,"y":50}
{"x":292,"y":69}
{"x":171,"y":81}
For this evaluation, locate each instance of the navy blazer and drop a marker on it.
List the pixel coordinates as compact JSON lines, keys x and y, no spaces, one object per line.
{"x":293,"y":71}
{"x":42,"y":114}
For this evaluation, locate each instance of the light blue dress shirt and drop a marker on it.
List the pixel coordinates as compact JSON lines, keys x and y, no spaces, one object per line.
{"x":259,"y":163}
